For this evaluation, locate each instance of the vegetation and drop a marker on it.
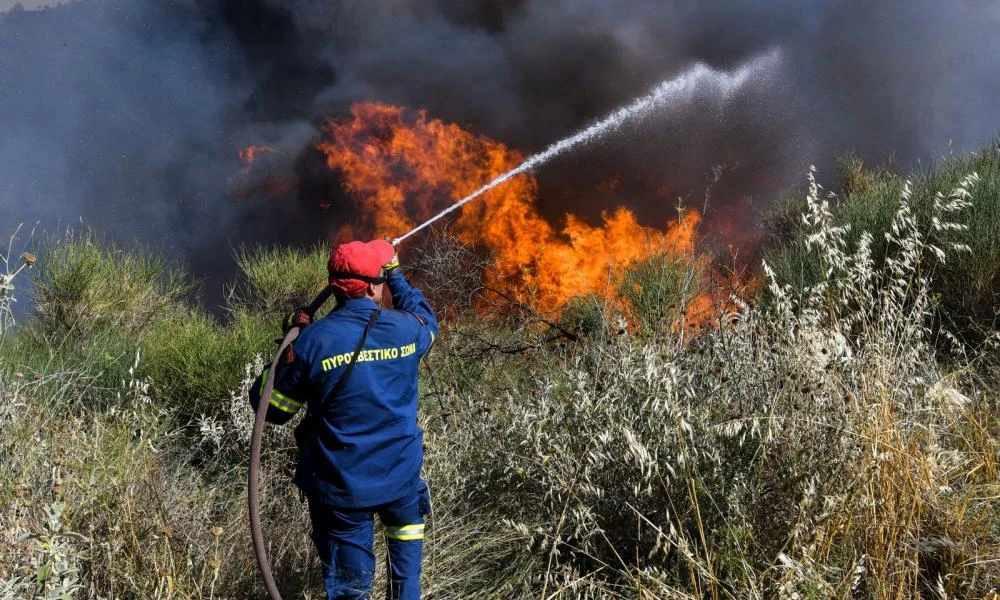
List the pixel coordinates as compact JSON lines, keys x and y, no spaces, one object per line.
{"x":817,"y":444}
{"x":965,"y":285}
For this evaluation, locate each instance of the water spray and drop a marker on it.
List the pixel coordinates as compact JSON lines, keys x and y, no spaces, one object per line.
{"x":669,"y":91}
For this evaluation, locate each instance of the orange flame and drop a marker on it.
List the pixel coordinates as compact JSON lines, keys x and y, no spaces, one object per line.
{"x":250,"y":153}
{"x":269,"y":185}
{"x":402,"y":168}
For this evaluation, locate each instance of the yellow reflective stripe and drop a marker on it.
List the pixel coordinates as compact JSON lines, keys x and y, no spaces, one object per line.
{"x":291,"y":402}
{"x":276,"y":403}
{"x":406,"y":533}
{"x":279,"y":400}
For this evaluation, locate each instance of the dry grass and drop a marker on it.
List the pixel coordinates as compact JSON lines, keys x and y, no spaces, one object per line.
{"x":817,"y":446}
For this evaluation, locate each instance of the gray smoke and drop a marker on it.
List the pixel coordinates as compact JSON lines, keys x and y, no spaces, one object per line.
{"x":129,"y":113}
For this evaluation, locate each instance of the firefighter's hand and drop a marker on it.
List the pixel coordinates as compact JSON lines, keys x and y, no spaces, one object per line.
{"x":392,"y":264}
{"x":297,"y":318}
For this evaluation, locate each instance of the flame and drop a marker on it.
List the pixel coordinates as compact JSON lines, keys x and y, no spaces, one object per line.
{"x":402,"y":167}
{"x":269,"y":184}
{"x":250,"y":153}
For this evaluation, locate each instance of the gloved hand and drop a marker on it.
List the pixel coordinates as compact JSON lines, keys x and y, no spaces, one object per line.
{"x":392,"y":264}
{"x":297,"y":318}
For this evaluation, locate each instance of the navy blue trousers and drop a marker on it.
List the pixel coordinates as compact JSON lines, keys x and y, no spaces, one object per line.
{"x":345,"y":540}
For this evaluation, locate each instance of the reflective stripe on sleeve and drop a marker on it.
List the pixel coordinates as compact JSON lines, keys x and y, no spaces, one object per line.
{"x":406,"y":533}
{"x":279,"y":400}
{"x":284,"y":403}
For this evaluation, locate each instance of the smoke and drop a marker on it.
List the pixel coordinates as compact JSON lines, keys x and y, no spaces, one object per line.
{"x":129,"y":114}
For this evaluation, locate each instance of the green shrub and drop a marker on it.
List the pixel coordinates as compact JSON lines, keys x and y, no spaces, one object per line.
{"x":586,"y":316}
{"x":192,"y":363}
{"x":84,"y":284}
{"x":95,"y":306}
{"x":98,"y":304}
{"x":657,"y":290}
{"x":69,"y":373}
{"x":966,"y":284}
{"x":255,"y":332}
{"x":276,"y":280}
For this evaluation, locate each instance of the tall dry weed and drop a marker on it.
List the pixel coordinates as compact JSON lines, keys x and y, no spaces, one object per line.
{"x":814,"y":447}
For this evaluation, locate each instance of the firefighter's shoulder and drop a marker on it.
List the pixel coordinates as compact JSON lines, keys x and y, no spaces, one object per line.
{"x":406,"y":318}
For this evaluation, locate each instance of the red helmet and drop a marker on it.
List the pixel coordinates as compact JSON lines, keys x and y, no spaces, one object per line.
{"x":354,"y":265}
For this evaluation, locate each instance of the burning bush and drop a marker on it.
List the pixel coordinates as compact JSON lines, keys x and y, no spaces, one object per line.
{"x":402,"y":168}
{"x":813,"y":447}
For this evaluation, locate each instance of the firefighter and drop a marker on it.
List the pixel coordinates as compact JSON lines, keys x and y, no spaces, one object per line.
{"x":360,"y":449}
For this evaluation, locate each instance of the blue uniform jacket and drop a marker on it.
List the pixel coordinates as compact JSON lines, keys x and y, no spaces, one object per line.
{"x":364,"y":447}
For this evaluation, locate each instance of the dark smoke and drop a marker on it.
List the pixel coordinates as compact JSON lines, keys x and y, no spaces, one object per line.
{"x":129,"y":114}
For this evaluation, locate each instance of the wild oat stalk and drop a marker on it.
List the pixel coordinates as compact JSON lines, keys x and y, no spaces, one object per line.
{"x":9,"y":272}
{"x":803,"y":451}
{"x":815,"y":446}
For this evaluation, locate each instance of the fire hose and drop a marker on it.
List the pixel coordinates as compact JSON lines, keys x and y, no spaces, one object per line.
{"x":253,"y":496}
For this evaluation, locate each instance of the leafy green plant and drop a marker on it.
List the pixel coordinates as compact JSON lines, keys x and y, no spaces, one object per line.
{"x":53,"y":569}
{"x":966,"y":286}
{"x":56,"y":560}
{"x":85,"y":285}
{"x":276,"y":280}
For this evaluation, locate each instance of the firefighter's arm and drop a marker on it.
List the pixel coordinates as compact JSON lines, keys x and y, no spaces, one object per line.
{"x":287,"y":396}
{"x":410,"y":299}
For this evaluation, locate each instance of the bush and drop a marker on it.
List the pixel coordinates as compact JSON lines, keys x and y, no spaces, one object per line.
{"x":811,"y":448}
{"x":85,"y":285}
{"x":192,"y":363}
{"x":657,"y":290}
{"x":69,"y":374}
{"x":277,"y":280}
{"x":966,"y":285}
{"x":98,"y":305}
{"x":587,"y":316}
